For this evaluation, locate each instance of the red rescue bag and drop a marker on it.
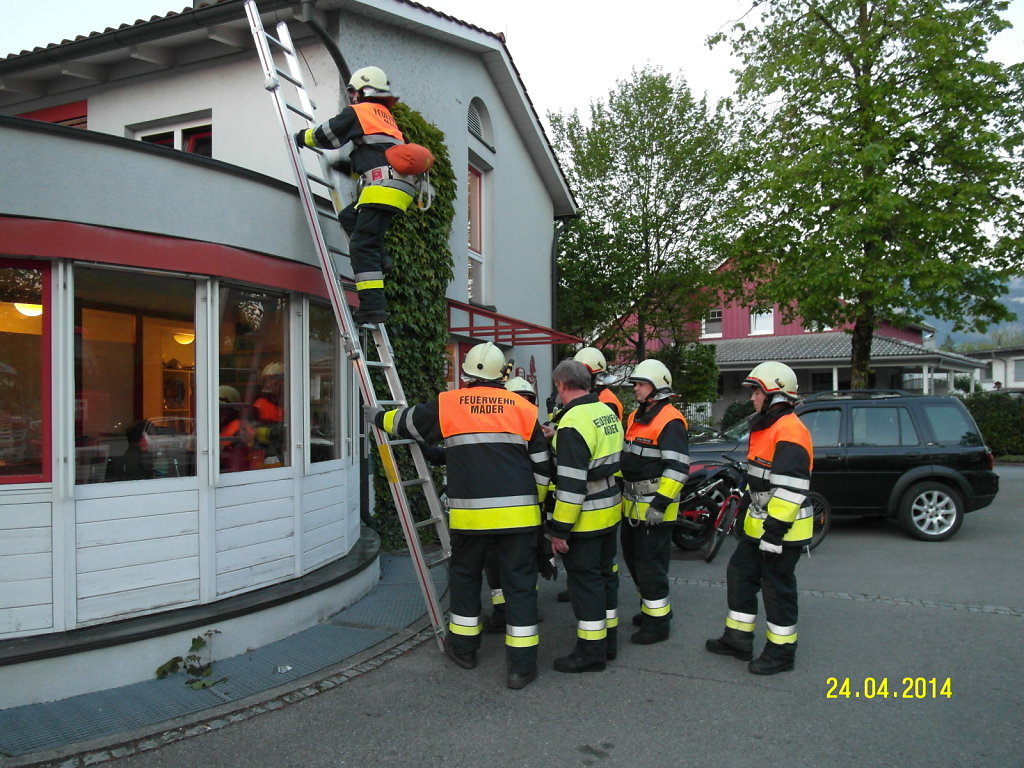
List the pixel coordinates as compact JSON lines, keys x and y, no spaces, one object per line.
{"x":410,"y":159}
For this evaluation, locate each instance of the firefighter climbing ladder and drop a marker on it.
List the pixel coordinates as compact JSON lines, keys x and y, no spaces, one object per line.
{"x":290,"y":77}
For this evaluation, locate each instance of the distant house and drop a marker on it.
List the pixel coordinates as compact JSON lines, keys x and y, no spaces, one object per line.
{"x":901,"y":358}
{"x":1002,"y":369}
{"x":155,"y":265}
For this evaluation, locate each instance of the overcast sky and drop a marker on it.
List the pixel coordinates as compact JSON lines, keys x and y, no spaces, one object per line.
{"x":569,"y":52}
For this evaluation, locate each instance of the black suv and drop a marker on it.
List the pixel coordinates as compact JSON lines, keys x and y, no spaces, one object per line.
{"x":918,"y":458}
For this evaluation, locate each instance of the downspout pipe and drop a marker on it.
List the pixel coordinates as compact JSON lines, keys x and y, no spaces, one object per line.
{"x":314,"y":17}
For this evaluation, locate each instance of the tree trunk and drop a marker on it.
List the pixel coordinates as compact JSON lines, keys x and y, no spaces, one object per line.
{"x":860,"y":350}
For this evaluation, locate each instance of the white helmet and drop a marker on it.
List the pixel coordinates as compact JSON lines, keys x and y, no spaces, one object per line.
{"x":370,"y":81}
{"x":228,"y":395}
{"x":774,"y":379}
{"x":272,"y":369}
{"x":655,"y":373}
{"x":521,"y":386}
{"x":593,"y":358}
{"x":485,"y":362}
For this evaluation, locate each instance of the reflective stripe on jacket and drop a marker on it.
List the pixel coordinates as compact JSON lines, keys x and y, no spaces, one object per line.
{"x":657,"y":448}
{"x":779,"y":462}
{"x":497,"y":457}
{"x":587,"y":447}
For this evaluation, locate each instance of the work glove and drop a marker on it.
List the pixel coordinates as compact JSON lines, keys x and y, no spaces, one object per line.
{"x":300,"y":138}
{"x":654,"y":516}
{"x":370,"y":413}
{"x":342,"y":165}
{"x":770,"y":545}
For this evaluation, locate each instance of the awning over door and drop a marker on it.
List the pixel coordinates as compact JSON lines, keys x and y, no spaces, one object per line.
{"x":479,"y":323}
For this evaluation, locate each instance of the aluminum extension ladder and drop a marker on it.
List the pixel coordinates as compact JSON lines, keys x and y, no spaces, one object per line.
{"x":301,"y":109}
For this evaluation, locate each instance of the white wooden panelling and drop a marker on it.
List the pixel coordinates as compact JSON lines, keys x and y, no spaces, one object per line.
{"x":25,"y":541}
{"x":257,"y":533}
{"x":325,"y":533}
{"x":318,"y":518}
{"x":324,"y":497}
{"x":137,"y":577}
{"x":18,"y":621}
{"x":257,"y":554}
{"x":136,"y":553}
{"x":231,"y":495}
{"x":317,"y":482}
{"x":137,"y":602}
{"x":144,"y":505}
{"x":255,"y":512}
{"x":246,"y":579}
{"x":19,"y":594}
{"x":26,"y":567}
{"x":25,"y":515}
{"x":138,"y":529}
{"x":316,"y":557}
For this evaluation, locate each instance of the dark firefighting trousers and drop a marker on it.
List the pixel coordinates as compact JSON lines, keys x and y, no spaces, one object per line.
{"x":516,"y":557}
{"x":749,"y":572}
{"x":366,"y":227}
{"x":647,"y":550}
{"x":593,"y":585}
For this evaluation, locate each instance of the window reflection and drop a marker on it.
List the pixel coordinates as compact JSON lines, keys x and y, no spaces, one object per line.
{"x":22,"y":343}
{"x":252,"y":383}
{"x":323,"y":384}
{"x":134,"y":376}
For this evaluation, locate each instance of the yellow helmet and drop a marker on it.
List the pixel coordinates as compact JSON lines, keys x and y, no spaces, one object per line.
{"x":485,"y":362}
{"x":521,"y":386}
{"x":655,"y":373}
{"x":774,"y":379}
{"x":593,"y":358}
{"x":371,"y":81}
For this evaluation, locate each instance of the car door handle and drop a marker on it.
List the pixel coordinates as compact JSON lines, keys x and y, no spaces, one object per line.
{"x":831,"y":455}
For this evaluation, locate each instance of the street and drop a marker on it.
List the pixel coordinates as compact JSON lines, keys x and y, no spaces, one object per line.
{"x":877,"y":609}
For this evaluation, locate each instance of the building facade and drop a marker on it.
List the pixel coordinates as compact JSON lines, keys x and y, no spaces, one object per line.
{"x":178,"y":424}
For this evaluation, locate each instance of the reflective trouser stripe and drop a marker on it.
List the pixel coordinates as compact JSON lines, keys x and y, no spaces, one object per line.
{"x":744,"y":622}
{"x":611,"y":618}
{"x":365,"y":280}
{"x":497,"y":597}
{"x":383,"y":195}
{"x":521,"y":637}
{"x":656,"y":607}
{"x":464,"y":625}
{"x":592,"y":630}
{"x":781,"y":635}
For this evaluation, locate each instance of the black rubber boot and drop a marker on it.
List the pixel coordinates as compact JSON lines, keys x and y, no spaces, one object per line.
{"x":517,"y":680}
{"x":464,"y":660}
{"x":733,"y":643}
{"x":574,"y":663}
{"x":495,"y":623}
{"x":563,"y":596}
{"x":774,"y":659}
{"x":650,"y":635}
{"x":612,"y":648}
{"x":369,"y":316}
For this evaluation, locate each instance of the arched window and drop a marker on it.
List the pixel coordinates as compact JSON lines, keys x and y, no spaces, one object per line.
{"x":478,"y":122}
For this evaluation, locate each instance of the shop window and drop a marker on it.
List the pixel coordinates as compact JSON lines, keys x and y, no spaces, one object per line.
{"x":324,"y":381}
{"x":135,"y":382}
{"x":253,"y":379}
{"x":24,"y":373}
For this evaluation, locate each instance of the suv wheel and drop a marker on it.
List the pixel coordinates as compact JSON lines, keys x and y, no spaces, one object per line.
{"x":931,"y":511}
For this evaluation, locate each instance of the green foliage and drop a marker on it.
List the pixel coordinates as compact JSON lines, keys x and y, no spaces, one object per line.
{"x":694,"y":371}
{"x":1000,"y":417}
{"x":998,"y":338}
{"x":736,"y":411}
{"x":646,"y":170}
{"x":887,"y":171}
{"x":198,"y":663}
{"x":417,"y":309}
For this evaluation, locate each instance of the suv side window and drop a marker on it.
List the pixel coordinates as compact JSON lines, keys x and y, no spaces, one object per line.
{"x":824,"y":426}
{"x":873,"y":426}
{"x":951,"y":424}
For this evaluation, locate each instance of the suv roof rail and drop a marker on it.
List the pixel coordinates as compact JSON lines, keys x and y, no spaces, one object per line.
{"x":858,"y":394}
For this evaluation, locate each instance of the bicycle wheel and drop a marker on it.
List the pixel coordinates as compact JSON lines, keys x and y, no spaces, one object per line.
{"x":822,"y":518}
{"x":726,"y":520}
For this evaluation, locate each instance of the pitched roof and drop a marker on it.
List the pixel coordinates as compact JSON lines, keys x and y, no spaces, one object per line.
{"x":830,"y":348}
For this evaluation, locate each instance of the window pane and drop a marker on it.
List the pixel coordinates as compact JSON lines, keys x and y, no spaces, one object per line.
{"x":876,"y":426}
{"x":134,"y":376}
{"x":762,"y":323}
{"x":22,"y":344}
{"x":323,"y":384}
{"x":823,"y":426}
{"x":951,"y":424}
{"x":1018,"y":370}
{"x":253,"y":379}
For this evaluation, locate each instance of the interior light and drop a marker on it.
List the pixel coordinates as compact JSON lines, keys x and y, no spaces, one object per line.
{"x":184,"y":338}
{"x":29,"y":310}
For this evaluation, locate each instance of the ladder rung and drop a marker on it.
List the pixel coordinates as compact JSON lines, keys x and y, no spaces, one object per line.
{"x":425,"y":523}
{"x":300,"y":112}
{"x":389,"y":402}
{"x":294,"y":81}
{"x":270,"y":38}
{"x":377,"y":364}
{"x":320,"y":180}
{"x":416,"y":481}
{"x":441,"y":559}
{"x":402,"y":441}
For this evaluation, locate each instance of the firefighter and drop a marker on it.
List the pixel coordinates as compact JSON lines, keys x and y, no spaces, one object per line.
{"x":383,"y":192}
{"x":655,"y":465}
{"x":593,"y":358}
{"x":777,"y":524}
{"x":498,"y":472}
{"x":588,"y":505}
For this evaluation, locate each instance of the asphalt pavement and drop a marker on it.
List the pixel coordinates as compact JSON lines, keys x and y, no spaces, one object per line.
{"x":880,"y":612}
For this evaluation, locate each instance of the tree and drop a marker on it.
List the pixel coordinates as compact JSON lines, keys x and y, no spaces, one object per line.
{"x":881,"y":165}
{"x":645,"y":170}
